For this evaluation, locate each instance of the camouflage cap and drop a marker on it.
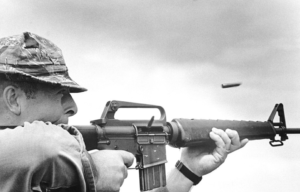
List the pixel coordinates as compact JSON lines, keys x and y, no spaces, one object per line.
{"x":35,"y":58}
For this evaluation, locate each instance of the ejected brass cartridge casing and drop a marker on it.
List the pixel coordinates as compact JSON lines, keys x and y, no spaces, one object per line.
{"x":228,"y":85}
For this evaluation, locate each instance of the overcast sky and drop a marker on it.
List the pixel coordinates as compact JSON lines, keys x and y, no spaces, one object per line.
{"x":177,"y":54}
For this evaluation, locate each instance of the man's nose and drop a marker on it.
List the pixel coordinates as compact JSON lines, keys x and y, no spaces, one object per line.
{"x":70,"y":107}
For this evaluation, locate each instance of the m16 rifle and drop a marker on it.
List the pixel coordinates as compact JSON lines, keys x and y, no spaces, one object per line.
{"x":147,"y":140}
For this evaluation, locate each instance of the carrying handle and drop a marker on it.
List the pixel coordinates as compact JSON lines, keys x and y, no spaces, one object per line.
{"x":112,"y":107}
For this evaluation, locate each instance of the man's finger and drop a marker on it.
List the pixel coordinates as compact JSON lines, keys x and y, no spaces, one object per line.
{"x":224,"y":137}
{"x":217,"y":139}
{"x":127,"y":157}
{"x":234,"y":136}
{"x":244,"y":142}
{"x":235,"y":140}
{"x":220,"y":152}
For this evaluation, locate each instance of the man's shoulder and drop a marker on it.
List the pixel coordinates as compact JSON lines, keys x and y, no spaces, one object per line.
{"x":37,"y":140}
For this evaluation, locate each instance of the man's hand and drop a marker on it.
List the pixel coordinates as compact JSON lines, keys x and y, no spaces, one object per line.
{"x":112,"y":168}
{"x":202,"y":160}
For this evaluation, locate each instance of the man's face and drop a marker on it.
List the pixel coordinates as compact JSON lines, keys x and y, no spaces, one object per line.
{"x":52,"y":104}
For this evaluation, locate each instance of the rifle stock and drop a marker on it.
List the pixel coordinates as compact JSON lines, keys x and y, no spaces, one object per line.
{"x":147,"y":140}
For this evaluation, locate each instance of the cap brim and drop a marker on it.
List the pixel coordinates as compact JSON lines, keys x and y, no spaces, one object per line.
{"x":63,"y":80}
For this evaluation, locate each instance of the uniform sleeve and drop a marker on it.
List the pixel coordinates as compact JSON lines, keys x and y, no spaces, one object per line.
{"x":38,"y":156}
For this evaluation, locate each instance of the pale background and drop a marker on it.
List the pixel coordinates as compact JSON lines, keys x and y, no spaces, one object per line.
{"x":176,"y":54}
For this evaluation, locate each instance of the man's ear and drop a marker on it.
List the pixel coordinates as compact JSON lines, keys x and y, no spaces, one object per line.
{"x":11,"y":96}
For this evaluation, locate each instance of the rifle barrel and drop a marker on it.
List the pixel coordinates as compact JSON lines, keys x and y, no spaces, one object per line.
{"x":292,"y":130}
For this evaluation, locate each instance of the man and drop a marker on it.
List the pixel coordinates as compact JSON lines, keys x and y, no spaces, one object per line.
{"x":44,"y":154}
